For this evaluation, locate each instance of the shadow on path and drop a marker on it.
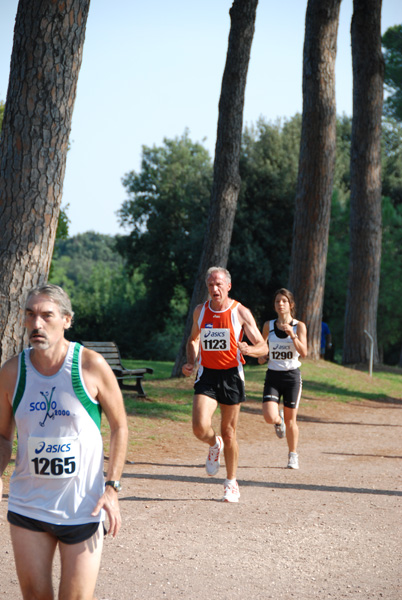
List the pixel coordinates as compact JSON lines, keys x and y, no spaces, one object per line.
{"x":264,"y":484}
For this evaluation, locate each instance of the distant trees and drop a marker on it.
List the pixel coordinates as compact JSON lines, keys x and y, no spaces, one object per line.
{"x":110,"y":292}
{"x":316,"y":167}
{"x":365,"y":178}
{"x":46,"y":59}
{"x":166,"y":211}
{"x":392,"y":43}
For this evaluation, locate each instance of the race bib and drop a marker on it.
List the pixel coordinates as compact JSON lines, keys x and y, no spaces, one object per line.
{"x":215,"y":339}
{"x":281,"y":351}
{"x":53,"y":458}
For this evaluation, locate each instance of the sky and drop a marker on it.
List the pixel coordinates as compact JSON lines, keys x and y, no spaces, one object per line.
{"x":153,"y":69}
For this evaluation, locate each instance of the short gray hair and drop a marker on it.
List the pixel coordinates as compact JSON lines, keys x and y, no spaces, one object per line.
{"x":56,"y":294}
{"x":219,"y":270}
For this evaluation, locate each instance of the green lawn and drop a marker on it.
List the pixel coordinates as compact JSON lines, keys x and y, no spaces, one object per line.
{"x":172,"y":398}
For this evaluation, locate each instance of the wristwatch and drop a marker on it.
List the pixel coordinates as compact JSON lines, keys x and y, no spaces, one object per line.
{"x":114,"y":484}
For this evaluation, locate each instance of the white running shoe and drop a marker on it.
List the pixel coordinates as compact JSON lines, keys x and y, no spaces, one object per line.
{"x":213,"y":461}
{"x":280,"y":429}
{"x":231,"y":492}
{"x":293,"y":460}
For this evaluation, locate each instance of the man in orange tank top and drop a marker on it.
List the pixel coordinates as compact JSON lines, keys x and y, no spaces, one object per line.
{"x":216,"y":343}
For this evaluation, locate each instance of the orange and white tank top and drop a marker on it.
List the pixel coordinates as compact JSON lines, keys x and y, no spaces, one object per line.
{"x":219,"y":333}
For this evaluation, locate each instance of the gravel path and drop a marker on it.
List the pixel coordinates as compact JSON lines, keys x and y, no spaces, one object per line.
{"x":331,"y":530}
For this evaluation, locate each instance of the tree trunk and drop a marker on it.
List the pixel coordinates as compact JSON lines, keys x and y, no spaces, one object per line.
{"x":46,"y":59}
{"x":316,"y":167}
{"x":365,"y":184}
{"x":226,"y":180}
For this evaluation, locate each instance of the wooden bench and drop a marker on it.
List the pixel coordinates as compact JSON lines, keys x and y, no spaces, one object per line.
{"x":111,"y":354}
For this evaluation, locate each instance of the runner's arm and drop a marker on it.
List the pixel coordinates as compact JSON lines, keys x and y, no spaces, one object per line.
{"x":265,"y":332}
{"x":258,"y":346}
{"x":104,"y":387}
{"x":193,"y":344}
{"x":300,"y":339}
{"x":8,"y":378}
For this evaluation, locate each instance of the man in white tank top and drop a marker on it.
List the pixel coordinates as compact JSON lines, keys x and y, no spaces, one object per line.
{"x":54,"y":393}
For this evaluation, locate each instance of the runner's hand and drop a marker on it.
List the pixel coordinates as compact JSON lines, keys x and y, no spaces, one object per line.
{"x":187,"y":369}
{"x":243,"y":347}
{"x":110,"y":503}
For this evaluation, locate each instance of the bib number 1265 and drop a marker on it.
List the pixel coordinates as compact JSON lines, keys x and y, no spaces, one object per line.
{"x":54,"y":467}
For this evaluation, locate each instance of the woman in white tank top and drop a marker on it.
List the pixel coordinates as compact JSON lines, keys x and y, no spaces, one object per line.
{"x":287,"y":340}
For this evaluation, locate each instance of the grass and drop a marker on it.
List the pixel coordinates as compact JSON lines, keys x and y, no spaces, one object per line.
{"x":172,"y":398}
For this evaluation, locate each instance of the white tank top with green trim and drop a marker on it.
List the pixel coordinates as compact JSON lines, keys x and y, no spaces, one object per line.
{"x":58,"y":476}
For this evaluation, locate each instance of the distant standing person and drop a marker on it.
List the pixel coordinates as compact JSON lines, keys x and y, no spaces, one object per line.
{"x":216,"y":341}
{"x":326,"y":341}
{"x":54,"y":393}
{"x":287,"y":340}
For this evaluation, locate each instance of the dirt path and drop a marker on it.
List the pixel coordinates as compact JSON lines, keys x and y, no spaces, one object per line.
{"x":331,"y":530}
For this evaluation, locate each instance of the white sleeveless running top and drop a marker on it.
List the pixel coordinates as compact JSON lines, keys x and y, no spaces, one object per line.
{"x":283,"y":355}
{"x":58,"y":475}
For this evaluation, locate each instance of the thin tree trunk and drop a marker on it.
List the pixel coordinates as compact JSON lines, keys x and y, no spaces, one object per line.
{"x":46,"y":59}
{"x":316,"y":167}
{"x":365,"y":184}
{"x":226,"y":180}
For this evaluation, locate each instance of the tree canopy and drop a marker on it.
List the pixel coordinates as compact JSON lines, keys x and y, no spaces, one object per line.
{"x":392,"y":43}
{"x":113,"y":281}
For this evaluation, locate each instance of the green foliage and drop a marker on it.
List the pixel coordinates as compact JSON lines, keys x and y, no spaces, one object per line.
{"x":135,"y":289}
{"x":104,"y":296}
{"x":392,"y":161}
{"x":336,"y":278}
{"x":262,"y":234}
{"x":392,"y":43}
{"x":63,"y":223}
{"x":390,"y":306}
{"x":166,"y":212}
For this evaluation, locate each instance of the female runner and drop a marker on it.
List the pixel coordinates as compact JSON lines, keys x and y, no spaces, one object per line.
{"x":287,"y":340}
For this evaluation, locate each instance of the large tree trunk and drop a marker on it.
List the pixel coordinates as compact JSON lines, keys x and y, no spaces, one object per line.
{"x":316,"y":167}
{"x":46,"y":59}
{"x":365,"y":184}
{"x":226,"y":180}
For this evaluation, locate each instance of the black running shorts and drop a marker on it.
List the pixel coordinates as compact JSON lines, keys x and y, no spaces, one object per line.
{"x":67,"y":534}
{"x":223,"y":385}
{"x":283,"y":384}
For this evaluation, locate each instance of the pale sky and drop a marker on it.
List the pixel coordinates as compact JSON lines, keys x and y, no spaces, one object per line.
{"x":152,"y":69}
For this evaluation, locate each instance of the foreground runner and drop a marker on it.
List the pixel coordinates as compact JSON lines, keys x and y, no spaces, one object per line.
{"x":287,"y":340}
{"x":215,"y":340}
{"x":54,"y":392}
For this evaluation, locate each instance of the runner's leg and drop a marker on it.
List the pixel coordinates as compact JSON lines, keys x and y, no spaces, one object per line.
{"x":229,"y":420}
{"x":270,"y":412}
{"x":80,"y":567}
{"x":203,"y":409}
{"x":292,"y":428}
{"x":34,"y":552}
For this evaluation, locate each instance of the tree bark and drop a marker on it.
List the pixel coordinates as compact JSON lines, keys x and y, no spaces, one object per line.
{"x":316,"y":167}
{"x":365,"y":185}
{"x":45,"y":63}
{"x":226,"y":179}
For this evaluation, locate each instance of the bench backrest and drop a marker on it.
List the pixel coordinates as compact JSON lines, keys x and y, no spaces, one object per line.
{"x":109,"y":351}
